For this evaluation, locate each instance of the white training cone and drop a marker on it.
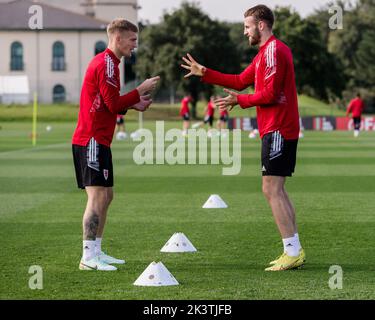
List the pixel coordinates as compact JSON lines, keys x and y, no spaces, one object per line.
{"x":178,"y":243}
{"x":155,"y":275}
{"x":214,"y":201}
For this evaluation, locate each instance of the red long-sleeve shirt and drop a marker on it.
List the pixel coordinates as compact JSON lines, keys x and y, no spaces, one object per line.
{"x":355,"y":107}
{"x":275,"y":97}
{"x":101,"y":101}
{"x":185,"y":105}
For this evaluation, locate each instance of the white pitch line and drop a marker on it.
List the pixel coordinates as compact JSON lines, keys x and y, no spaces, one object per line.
{"x":50,"y":146}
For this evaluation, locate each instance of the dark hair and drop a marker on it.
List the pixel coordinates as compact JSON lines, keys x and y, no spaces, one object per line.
{"x":358,"y":95}
{"x":261,"y":13}
{"x":120,"y":24}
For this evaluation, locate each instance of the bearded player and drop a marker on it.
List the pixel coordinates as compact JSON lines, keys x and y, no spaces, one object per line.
{"x":275,"y":99}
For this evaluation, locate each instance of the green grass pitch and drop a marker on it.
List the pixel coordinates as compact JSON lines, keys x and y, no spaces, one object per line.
{"x":333,"y":191}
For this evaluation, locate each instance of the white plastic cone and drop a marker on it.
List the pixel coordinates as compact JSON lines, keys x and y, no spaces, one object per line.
{"x":178,"y":243}
{"x":155,"y":275}
{"x":214,"y":201}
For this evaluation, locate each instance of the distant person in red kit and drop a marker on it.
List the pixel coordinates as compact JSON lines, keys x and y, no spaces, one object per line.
{"x":356,"y":107}
{"x":222,"y":122}
{"x":185,"y":113}
{"x":210,"y":111}
{"x":120,"y":128}
{"x":208,"y":116}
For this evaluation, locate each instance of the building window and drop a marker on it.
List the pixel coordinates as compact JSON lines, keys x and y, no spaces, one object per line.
{"x":59,"y":94}
{"x":100,"y":46}
{"x":16,"y":53}
{"x":58,"y":56}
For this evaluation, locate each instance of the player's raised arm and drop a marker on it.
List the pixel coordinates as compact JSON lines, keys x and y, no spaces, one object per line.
{"x":233,"y":81}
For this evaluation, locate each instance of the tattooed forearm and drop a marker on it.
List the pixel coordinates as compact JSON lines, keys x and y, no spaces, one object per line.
{"x":90,"y":227}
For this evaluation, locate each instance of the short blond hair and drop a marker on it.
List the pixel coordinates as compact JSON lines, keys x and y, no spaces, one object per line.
{"x":121,"y":24}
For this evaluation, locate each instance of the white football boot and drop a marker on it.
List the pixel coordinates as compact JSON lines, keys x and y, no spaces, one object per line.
{"x":108,"y":259}
{"x":95,"y":264}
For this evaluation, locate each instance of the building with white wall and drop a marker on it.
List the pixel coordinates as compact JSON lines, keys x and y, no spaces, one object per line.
{"x":55,"y":58}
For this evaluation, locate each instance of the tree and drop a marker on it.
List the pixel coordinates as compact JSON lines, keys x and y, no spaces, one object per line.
{"x":354,"y":47}
{"x":318,"y":73}
{"x":245,"y":52}
{"x":187,"y":29}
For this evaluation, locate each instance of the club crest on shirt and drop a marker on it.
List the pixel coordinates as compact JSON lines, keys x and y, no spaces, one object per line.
{"x":105,"y":173}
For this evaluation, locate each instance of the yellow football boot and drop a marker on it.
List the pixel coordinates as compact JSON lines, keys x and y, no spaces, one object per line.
{"x":277,"y":259}
{"x":286,"y":262}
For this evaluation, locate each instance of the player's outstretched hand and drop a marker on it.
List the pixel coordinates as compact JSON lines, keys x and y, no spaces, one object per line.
{"x":228,"y":102}
{"x":148,"y":85}
{"x":194,"y":67}
{"x":143,"y":104}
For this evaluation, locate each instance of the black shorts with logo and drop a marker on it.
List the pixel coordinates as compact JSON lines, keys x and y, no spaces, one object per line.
{"x":93,"y":165}
{"x":278,"y":155}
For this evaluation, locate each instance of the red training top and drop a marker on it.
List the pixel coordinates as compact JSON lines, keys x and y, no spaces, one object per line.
{"x":275,"y":97}
{"x":210,"y":109}
{"x":185,"y":106}
{"x":101,"y":101}
{"x":355,"y":107}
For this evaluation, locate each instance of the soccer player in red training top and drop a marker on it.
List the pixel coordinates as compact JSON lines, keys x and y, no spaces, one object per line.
{"x":99,"y":105}
{"x":185,"y":114}
{"x":224,"y":115}
{"x":275,"y":98}
{"x":208,"y":116}
{"x":356,"y":107}
{"x":210,"y":111}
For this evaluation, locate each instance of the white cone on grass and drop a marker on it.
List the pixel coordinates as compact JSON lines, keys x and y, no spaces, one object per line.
{"x":178,"y":243}
{"x":214,"y":202}
{"x":155,"y":275}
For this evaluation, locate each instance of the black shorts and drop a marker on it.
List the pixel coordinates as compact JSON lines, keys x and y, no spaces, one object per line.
{"x":186,"y":116}
{"x":209,"y":119}
{"x":120,"y":121}
{"x":357,"y":122}
{"x":278,"y":155}
{"x":93,"y":165}
{"x":224,"y":118}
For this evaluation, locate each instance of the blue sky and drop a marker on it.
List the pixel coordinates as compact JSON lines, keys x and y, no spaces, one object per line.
{"x":226,"y":10}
